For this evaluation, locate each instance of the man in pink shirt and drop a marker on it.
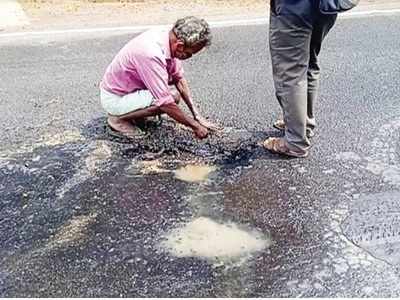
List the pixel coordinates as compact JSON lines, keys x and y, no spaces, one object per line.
{"x":136,"y":83}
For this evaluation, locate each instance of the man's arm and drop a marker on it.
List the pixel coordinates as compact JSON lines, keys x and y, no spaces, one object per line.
{"x":183,"y":88}
{"x":178,"y":115}
{"x":154,"y":75}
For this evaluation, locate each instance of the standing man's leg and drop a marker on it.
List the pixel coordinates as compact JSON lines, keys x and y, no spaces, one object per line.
{"x":290,"y":39}
{"x":322,"y":25}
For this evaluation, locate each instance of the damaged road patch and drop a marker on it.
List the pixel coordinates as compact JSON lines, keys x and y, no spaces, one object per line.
{"x":172,"y":142}
{"x":374,"y":225}
{"x":91,"y":207}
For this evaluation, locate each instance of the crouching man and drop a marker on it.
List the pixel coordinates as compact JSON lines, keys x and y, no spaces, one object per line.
{"x":137,"y":83}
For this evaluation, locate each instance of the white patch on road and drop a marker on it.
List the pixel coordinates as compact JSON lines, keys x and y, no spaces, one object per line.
{"x":343,"y":257}
{"x":348,"y":156}
{"x":383,"y":158}
{"x":391,"y":175}
{"x":208,"y":239}
{"x":11,"y":14}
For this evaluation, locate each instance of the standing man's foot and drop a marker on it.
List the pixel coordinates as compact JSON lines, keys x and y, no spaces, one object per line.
{"x":280,"y":125}
{"x":122,"y":126}
{"x":279,"y":146}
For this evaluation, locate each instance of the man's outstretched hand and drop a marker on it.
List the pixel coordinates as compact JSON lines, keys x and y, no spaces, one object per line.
{"x":209,"y":125}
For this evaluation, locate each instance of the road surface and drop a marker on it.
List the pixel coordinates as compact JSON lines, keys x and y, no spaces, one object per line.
{"x":83,"y":213}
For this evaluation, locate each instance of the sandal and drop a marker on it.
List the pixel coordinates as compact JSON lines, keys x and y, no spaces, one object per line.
{"x":278,"y":145}
{"x":279,"y":124}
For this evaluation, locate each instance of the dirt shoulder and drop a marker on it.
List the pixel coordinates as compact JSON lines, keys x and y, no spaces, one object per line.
{"x":62,"y":14}
{"x":56,"y":14}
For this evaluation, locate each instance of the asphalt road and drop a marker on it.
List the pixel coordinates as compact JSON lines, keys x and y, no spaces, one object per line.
{"x":86,"y":214}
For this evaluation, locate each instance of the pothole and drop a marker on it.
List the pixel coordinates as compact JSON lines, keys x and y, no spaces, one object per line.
{"x":170,"y":140}
{"x":374,"y":225}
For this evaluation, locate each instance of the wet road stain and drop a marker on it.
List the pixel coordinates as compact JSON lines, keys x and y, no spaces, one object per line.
{"x":206,"y":238}
{"x":93,"y":159}
{"x":72,"y":233}
{"x":100,"y":205}
{"x":65,"y":137}
{"x":244,"y":200}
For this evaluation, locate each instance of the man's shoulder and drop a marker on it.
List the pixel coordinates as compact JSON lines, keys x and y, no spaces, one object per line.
{"x":148,"y":44}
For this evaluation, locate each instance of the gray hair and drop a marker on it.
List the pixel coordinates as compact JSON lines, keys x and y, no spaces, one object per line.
{"x":193,"y":31}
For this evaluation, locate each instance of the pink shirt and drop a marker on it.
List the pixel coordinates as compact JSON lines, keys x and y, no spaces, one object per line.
{"x":144,"y":63}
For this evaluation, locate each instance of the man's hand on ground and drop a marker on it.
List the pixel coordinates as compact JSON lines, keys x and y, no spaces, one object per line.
{"x":209,"y":125}
{"x":178,"y":115}
{"x":201,"y":132}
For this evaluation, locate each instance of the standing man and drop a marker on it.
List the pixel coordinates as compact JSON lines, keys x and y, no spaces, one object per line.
{"x":136,"y":83}
{"x":297,"y":29}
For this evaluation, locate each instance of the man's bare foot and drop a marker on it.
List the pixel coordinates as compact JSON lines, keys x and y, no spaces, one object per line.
{"x":122,"y":126}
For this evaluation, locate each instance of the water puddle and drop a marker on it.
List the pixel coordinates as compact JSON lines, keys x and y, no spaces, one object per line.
{"x":208,"y":239}
{"x":188,"y":173}
{"x":194,"y":173}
